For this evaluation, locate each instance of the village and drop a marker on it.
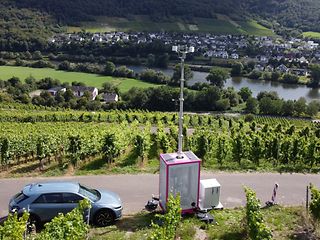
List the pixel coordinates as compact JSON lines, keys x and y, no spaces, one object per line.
{"x":268,"y":53}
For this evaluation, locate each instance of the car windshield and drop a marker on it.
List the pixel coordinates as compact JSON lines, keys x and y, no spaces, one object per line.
{"x":92,"y":194}
{"x":19,"y":197}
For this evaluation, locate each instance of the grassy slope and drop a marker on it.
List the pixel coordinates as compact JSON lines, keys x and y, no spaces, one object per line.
{"x":94,"y":80}
{"x":311,"y":34}
{"x":144,"y":23}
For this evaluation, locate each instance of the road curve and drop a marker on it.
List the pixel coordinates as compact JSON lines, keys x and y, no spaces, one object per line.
{"x":135,"y":190}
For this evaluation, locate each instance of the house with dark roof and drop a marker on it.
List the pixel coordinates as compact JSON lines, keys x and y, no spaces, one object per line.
{"x":109,"y":97}
{"x":79,"y":91}
{"x":55,"y":90}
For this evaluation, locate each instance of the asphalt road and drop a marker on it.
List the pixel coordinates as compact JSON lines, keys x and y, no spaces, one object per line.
{"x":135,"y":190}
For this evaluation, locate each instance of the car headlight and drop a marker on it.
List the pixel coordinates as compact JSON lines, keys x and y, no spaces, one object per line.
{"x":14,"y":209}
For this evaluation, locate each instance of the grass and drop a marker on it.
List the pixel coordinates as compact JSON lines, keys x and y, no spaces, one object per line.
{"x":285,"y":222}
{"x":252,"y":27}
{"x":311,"y":34}
{"x":93,"y":80}
{"x":220,"y":25}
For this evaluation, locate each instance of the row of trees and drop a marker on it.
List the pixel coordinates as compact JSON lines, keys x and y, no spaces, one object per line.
{"x":239,"y":69}
{"x":268,"y":103}
{"x":206,"y":98}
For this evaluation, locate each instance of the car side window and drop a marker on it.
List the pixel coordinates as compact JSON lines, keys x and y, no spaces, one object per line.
{"x":71,"y":198}
{"x":49,"y":198}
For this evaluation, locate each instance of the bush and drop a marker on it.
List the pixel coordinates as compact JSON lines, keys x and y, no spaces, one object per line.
{"x":14,"y":227}
{"x":169,"y":221}
{"x":255,"y":224}
{"x":249,"y":118}
{"x":315,"y":202}
{"x":70,"y":226}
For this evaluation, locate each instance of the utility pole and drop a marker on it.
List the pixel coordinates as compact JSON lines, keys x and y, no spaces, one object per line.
{"x":182,"y":51}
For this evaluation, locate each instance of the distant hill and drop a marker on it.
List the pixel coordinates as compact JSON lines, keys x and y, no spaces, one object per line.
{"x":23,"y":28}
{"x":302,"y":14}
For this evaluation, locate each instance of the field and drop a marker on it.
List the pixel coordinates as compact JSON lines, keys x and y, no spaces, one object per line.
{"x":93,"y":80}
{"x":220,"y":25}
{"x":311,"y":34}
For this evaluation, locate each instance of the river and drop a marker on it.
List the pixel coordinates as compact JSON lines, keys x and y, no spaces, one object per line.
{"x":285,"y":91}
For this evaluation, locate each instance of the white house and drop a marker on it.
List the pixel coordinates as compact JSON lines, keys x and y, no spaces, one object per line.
{"x":282,"y":68}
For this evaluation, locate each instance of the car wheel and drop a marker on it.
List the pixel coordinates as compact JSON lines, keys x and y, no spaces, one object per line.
{"x":33,"y":223}
{"x":104,"y":218}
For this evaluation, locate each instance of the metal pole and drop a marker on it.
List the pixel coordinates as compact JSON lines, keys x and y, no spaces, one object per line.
{"x":307,"y":198}
{"x":180,"y":138}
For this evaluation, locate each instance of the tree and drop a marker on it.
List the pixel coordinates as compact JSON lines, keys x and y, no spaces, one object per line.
{"x":288,"y":108}
{"x":275,"y":76}
{"x":14,"y":81}
{"x":217,"y":77}
{"x":245,"y":93}
{"x":237,"y":69}
{"x":37,"y":55}
{"x":109,"y":68}
{"x":312,"y":108}
{"x":252,"y":105}
{"x":175,"y":80}
{"x":65,"y":66}
{"x":151,"y":60}
{"x":300,"y":106}
{"x":290,"y":78}
{"x":315,"y":75}
{"x":123,"y":71}
{"x":162,"y":60}
{"x":223,"y":104}
{"x":108,"y":87}
{"x":255,"y":74}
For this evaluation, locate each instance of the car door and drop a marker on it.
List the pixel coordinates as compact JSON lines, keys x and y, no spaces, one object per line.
{"x":47,"y":206}
{"x":70,"y":201}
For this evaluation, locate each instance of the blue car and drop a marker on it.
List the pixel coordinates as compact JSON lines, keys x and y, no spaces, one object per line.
{"x":46,"y":200}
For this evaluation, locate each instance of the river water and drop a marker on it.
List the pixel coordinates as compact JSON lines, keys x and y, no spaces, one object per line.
{"x":285,"y":91}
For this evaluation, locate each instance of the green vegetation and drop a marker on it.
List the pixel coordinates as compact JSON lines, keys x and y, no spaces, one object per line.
{"x":94,"y":80}
{"x":311,"y":34}
{"x":285,"y":223}
{"x":145,"y":23}
{"x":169,"y":221}
{"x":252,"y":27}
{"x":315,"y":202}
{"x":278,"y":14}
{"x":14,"y":227}
{"x":130,"y":142}
{"x":24,"y":29}
{"x":256,"y":227}
{"x":68,"y":226}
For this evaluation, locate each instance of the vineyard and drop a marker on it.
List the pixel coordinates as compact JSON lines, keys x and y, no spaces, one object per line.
{"x":45,"y":136}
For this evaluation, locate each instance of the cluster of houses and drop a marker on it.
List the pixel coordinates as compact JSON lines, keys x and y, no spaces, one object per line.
{"x":79,"y":91}
{"x":218,"y":46}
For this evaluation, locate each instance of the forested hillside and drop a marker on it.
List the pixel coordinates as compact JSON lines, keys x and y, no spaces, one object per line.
{"x":76,"y":10}
{"x":303,"y":14}
{"x":22,"y":28}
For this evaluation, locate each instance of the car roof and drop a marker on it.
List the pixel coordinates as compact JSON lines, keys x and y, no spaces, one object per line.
{"x":50,"y":187}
